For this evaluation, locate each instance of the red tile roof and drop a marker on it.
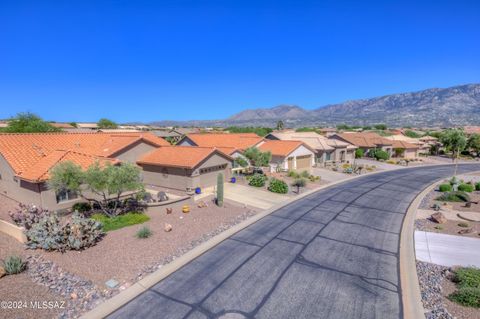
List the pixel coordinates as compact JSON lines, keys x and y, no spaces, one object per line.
{"x":24,"y":151}
{"x":40,"y":171}
{"x":281,"y":147}
{"x":364,"y":139}
{"x":179,"y":156}
{"x":240,"y":141}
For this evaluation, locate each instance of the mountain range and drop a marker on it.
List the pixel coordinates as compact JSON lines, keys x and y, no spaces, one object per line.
{"x":453,"y":106}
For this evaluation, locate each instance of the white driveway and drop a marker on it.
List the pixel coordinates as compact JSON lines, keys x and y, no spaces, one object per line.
{"x":252,"y":196}
{"x":328,"y":175}
{"x":447,"y":250}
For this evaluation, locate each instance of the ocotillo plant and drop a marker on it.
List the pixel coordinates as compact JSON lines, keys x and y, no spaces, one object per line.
{"x":220,"y":189}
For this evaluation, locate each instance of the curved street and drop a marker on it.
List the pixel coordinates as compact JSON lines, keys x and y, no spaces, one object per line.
{"x":332,"y":254}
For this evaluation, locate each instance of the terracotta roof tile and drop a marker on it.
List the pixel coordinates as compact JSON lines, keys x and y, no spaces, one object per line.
{"x":280,"y":147}
{"x":364,"y":139}
{"x":239,"y":141}
{"x":40,"y":171}
{"x":24,"y":151}
{"x":179,"y":156}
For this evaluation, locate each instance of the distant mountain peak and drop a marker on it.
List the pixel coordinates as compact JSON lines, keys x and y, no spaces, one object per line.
{"x":457,"y":105}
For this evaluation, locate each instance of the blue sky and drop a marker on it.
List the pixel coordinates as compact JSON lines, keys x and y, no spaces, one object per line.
{"x":180,"y":60}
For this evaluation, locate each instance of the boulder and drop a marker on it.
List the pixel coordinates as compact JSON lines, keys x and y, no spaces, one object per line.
{"x":168,"y":227}
{"x":2,"y":272}
{"x":169,"y":210}
{"x":439,"y":218}
{"x":465,"y":231}
{"x":162,"y":196}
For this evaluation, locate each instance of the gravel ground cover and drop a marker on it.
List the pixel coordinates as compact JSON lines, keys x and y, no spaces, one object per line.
{"x":435,"y":286}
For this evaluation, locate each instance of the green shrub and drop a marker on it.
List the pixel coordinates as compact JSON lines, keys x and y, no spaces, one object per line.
{"x":381,"y":155}
{"x":359,"y":153}
{"x":467,"y":277}
{"x":50,"y":234}
{"x":454,"y":197}
{"x":463,"y":224}
{"x":305,"y":174}
{"x":257,"y":180}
{"x":314,"y":178}
{"x":299,"y":183}
{"x":469,"y":297}
{"x":477,"y":186}
{"x":14,"y":265}
{"x":466,"y":188}
{"x":82,"y":207}
{"x":144,"y":232}
{"x":293,"y":174}
{"x":278,"y":186}
{"x":117,"y":222}
{"x":445,"y":188}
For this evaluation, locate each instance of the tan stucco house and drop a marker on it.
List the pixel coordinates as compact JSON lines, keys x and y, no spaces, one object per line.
{"x":288,"y":155}
{"x":183,"y":168}
{"x":26,"y":159}
{"x":327,"y":150}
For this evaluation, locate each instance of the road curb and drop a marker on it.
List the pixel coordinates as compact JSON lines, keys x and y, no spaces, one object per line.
{"x":109,"y":306}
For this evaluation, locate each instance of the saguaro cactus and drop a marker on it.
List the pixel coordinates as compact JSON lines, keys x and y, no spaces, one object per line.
{"x":220,"y":189}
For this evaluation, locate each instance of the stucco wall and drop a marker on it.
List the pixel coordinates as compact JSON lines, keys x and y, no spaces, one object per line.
{"x":181,"y":179}
{"x":170,"y":177}
{"x":29,"y":194}
{"x":134,"y":152}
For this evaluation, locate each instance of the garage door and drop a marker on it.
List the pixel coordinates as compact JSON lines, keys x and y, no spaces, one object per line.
{"x":304,"y":162}
{"x":208,"y":179}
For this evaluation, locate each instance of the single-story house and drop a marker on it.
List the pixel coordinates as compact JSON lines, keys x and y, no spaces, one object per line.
{"x":26,"y":159}
{"x":288,"y":155}
{"x":327,"y":150}
{"x":411,"y":147}
{"x":239,"y":141}
{"x":183,"y":167}
{"x":367,"y":141}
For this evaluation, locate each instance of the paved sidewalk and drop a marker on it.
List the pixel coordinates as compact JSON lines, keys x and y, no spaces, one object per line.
{"x":447,"y":250}
{"x":328,"y":175}
{"x":253,"y":197}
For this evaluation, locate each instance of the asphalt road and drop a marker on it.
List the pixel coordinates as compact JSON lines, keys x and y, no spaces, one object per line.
{"x":333,"y":254}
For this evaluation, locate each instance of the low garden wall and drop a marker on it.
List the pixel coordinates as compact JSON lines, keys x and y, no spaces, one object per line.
{"x":13,"y":230}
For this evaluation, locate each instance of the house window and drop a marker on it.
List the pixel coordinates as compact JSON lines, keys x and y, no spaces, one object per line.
{"x":65,"y":195}
{"x":328,"y":156}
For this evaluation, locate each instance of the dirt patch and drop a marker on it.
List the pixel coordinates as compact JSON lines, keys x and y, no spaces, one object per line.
{"x":450,"y":227}
{"x":20,"y":288}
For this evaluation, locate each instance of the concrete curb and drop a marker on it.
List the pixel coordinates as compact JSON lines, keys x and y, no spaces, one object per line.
{"x":117,"y":301}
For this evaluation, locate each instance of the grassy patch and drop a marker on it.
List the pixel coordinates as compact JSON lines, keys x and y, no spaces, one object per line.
{"x":468,"y":283}
{"x":117,"y":222}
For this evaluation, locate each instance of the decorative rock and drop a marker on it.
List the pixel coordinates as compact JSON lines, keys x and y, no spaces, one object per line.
{"x":169,"y":210}
{"x":168,"y":227}
{"x":73,"y":295}
{"x":112,"y":283}
{"x":202,"y":204}
{"x":162,"y":196}
{"x":186,"y":209}
{"x":2,"y":272}
{"x":439,"y":218}
{"x":465,"y":231}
